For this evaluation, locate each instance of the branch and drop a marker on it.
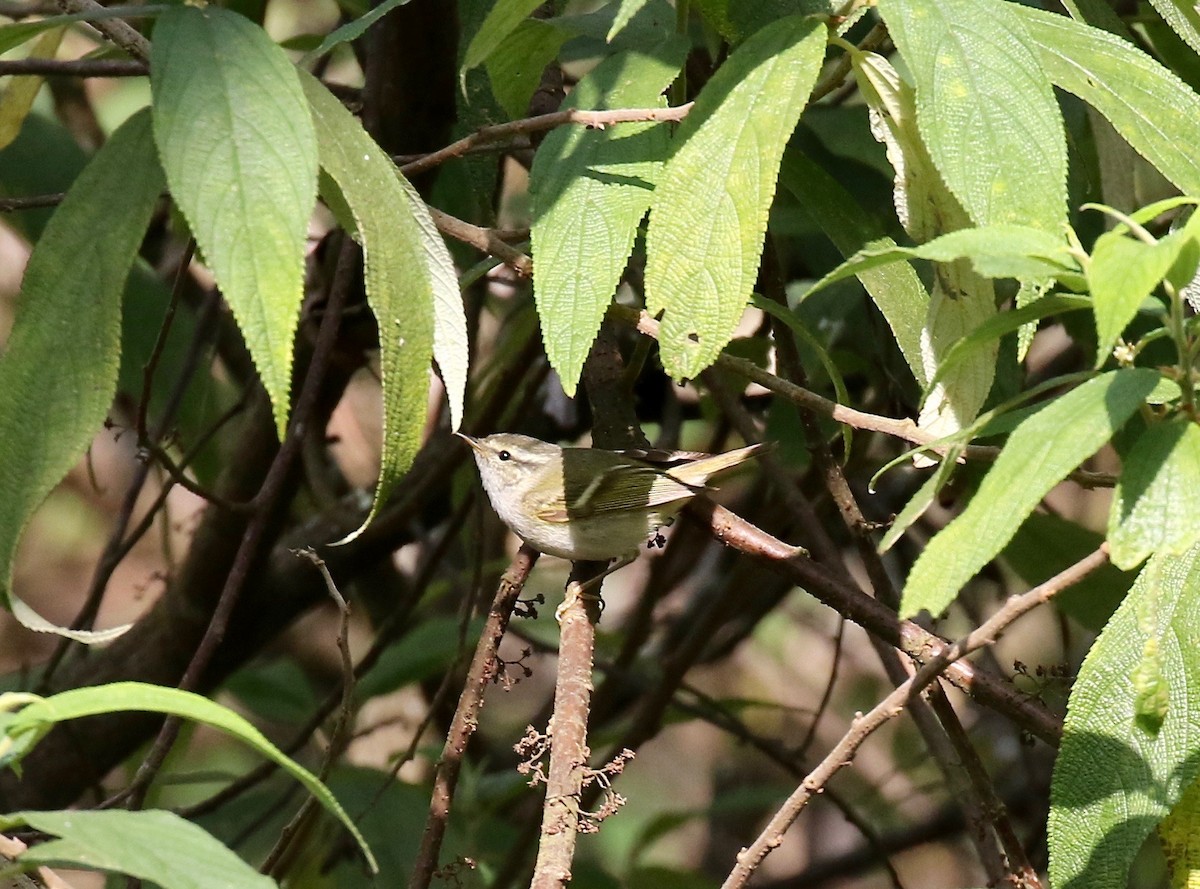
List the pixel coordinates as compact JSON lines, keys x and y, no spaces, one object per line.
{"x":118,"y":31}
{"x":74,"y":67}
{"x":500,"y":132}
{"x":483,"y":670}
{"x":877,"y":619}
{"x":484,"y":239}
{"x":844,"y":751}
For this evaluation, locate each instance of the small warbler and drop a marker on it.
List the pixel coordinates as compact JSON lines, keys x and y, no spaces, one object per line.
{"x":587,"y":504}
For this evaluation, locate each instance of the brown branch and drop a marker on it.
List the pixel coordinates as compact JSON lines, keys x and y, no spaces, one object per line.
{"x":844,"y":751}
{"x":31,"y":202}
{"x":877,"y":619}
{"x":540,"y":123}
{"x":484,"y":666}
{"x":118,"y":31}
{"x":483,"y":239}
{"x":74,"y":67}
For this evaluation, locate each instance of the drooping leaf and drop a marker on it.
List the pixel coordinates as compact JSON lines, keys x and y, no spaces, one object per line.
{"x":1152,"y":109}
{"x":960,"y":299}
{"x":895,"y":289}
{"x":1183,"y":19}
{"x":352,"y":30}
{"x":406,"y":264}
{"x":1123,"y":272}
{"x":156,"y":846}
{"x":502,"y":20}
{"x":1036,"y":458}
{"x":590,"y":189}
{"x":61,"y":362}
{"x":985,"y":110}
{"x":1154,"y":505}
{"x":236,"y":140}
{"x":34,"y":720}
{"x":18,"y":96}
{"x":709,"y":212}
{"x":920,"y":501}
{"x":1114,"y":780}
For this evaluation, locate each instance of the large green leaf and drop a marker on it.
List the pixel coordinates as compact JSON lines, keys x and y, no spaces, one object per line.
{"x":237,"y":143}
{"x":1152,"y":109}
{"x":1117,"y":775}
{"x":590,"y":190}
{"x":995,"y":251}
{"x":59,"y":371}
{"x":408,"y":272}
{"x":709,"y":212}
{"x":1123,"y":272}
{"x":960,"y":299}
{"x":156,"y":846}
{"x":1154,"y":507}
{"x":1036,"y":458}
{"x":985,"y":110}
{"x":896,"y":290}
{"x":31,"y":722}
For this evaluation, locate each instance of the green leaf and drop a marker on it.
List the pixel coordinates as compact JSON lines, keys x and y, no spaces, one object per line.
{"x":1152,"y":109}
{"x":516,"y":72}
{"x":62,"y":358}
{"x":985,"y":110}
{"x":987,"y":333}
{"x":39,"y":717}
{"x":1123,"y":272}
{"x":406,"y":264}
{"x":922,"y":500}
{"x":1154,"y":505}
{"x":156,"y":846}
{"x":237,"y":143}
{"x":1183,"y":19}
{"x":352,"y":30}
{"x":17,"y":98}
{"x":1113,"y":780}
{"x":625,"y":13}
{"x":995,"y":251}
{"x":501,"y":21}
{"x":896,"y":290}
{"x":590,"y":189}
{"x":709,"y":212}
{"x":1036,"y":458}
{"x":20,"y":32}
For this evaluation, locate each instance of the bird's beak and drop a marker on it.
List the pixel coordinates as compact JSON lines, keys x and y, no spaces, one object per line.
{"x":472,"y":441}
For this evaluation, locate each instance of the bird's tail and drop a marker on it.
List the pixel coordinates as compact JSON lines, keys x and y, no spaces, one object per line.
{"x":697,"y":472}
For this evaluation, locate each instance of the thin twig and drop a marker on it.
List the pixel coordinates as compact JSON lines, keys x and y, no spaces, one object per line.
{"x":484,"y":239}
{"x":160,"y":342}
{"x":74,"y":67}
{"x":275,"y":863}
{"x":31,"y":202}
{"x":500,"y":132}
{"x":877,"y":619}
{"x":483,"y":668}
{"x":844,"y":751}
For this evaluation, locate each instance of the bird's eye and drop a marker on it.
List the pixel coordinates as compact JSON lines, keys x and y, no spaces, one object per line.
{"x":504,"y":455}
